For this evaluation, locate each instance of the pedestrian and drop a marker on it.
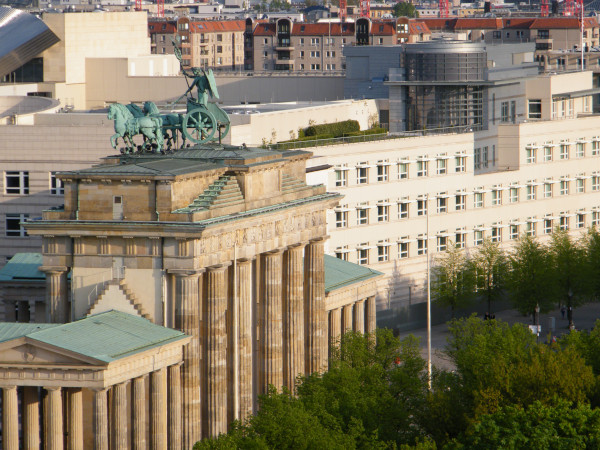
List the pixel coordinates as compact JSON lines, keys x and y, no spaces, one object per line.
{"x":563,"y":310}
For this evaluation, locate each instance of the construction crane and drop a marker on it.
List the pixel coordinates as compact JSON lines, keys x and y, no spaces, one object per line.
{"x":343,"y":10}
{"x":569,"y":8}
{"x":443,"y":8}
{"x":160,"y":7}
{"x":138,"y":5}
{"x":544,"y":9}
{"x":365,"y":8}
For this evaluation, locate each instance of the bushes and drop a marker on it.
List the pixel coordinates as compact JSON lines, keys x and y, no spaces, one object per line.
{"x":337,"y":129}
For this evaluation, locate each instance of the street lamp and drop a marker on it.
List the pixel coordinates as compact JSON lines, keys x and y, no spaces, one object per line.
{"x":570,"y":309}
{"x":428,"y":292}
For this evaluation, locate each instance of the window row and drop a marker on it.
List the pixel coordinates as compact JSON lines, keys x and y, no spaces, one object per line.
{"x":560,"y":151}
{"x":17,"y":183}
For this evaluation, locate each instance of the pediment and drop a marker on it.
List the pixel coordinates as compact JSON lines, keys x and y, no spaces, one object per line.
{"x":29,"y":351}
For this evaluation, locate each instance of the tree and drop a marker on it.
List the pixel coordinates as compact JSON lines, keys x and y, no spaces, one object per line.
{"x":453,"y":279}
{"x":568,"y":272}
{"x":529,"y":280}
{"x":405,"y":9}
{"x":592,"y":272}
{"x":490,"y":265}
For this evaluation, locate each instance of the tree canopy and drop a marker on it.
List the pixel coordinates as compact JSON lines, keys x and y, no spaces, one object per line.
{"x":405,"y":9}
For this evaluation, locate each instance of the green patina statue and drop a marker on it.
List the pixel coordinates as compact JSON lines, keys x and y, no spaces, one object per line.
{"x":162,"y":132}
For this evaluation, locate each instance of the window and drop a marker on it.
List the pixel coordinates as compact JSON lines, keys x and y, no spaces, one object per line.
{"x":531,"y":192}
{"x":362,"y":175}
{"x":421,"y":246}
{"x":315,"y":67}
{"x":341,"y":219}
{"x":478,"y":237}
{"x":56,"y":186}
{"x":383,"y":213}
{"x":580,"y":221}
{"x":403,"y":249}
{"x":402,"y":210}
{"x":219,"y":49}
{"x":442,"y":204}
{"x":441,"y":167}
{"x":580,"y":185}
{"x":478,"y":200}
{"x":315,"y":54}
{"x":265,"y":41}
{"x":477,"y":158}
{"x":383,"y":252}
{"x":514,"y":194}
{"x":580,"y":150}
{"x":301,"y":41}
{"x":13,"y":225}
{"x":460,"y":164}
{"x":596,"y":146}
{"x":460,"y":239}
{"x":342,"y":253}
{"x":496,"y":234}
{"x":535,"y":109}
{"x":422,"y":168}
{"x":16,"y":183}
{"x":362,"y":215}
{"x":513,"y":111}
{"x":460,"y":202}
{"x":363,"y":255}
{"x":421,"y":207}
{"x":564,"y":151}
{"x":382,"y":172}
{"x":530,"y":228}
{"x":513,"y":231}
{"x":330,"y":54}
{"x":329,"y":66}
{"x":548,"y":153}
{"x":314,"y":41}
{"x":530,"y":155}
{"x":595,"y":218}
{"x":341,"y":178}
{"x":564,"y":187}
{"x":504,"y":117}
{"x":595,"y":183}
{"x":484,"y":157}
{"x":301,"y":54}
{"x":402,"y":171}
{"x":547,"y":226}
{"x":564,"y":223}
{"x":442,"y":243}
{"x":547,"y":190}
{"x":496,"y":197}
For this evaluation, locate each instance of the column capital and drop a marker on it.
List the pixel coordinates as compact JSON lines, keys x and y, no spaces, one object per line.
{"x":52,"y":388}
{"x":218,"y":267}
{"x":274,"y":251}
{"x":9,"y":387}
{"x":319,"y":239}
{"x":297,"y":245}
{"x":53,"y":269}
{"x":244,"y":260}
{"x":185,"y":272}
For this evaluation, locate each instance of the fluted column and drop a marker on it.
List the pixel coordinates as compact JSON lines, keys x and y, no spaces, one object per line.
{"x":31,"y":418}
{"x":335,"y":327}
{"x":56,"y":294}
{"x":315,"y":319}
{"x":119,"y":426}
{"x":54,"y":419}
{"x":371,"y":315}
{"x":138,"y":413}
{"x":244,"y":290}
{"x":216,"y":351}
{"x":271,"y":330}
{"x":187,"y":319}
{"x":175,"y":418}
{"x":75,"y":437}
{"x":359,"y":316}
{"x":346,"y":318}
{"x":158,"y":410}
{"x":100,"y":418}
{"x":293,"y":315}
{"x":32,"y":312}
{"x":10,"y":418}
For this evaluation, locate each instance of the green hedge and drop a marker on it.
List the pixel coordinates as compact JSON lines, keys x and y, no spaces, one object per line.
{"x":309,"y":138}
{"x":336,"y":129}
{"x":366,"y":132}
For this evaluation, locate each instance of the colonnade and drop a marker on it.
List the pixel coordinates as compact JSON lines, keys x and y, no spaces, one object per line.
{"x":280,"y":332}
{"x":118,"y":415}
{"x":359,"y":316}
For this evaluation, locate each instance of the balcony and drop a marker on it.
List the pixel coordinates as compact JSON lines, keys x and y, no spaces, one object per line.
{"x":280,"y":47}
{"x":289,"y":62}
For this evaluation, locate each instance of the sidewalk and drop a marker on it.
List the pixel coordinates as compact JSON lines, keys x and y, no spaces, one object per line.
{"x":584,"y":318}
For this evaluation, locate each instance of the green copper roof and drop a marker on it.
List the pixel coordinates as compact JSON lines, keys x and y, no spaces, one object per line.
{"x":339,"y":273}
{"x":23,"y":266}
{"x":14,"y":330}
{"x":107,"y":336}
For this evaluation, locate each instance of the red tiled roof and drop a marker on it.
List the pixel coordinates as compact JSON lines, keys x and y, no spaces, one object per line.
{"x":477,"y":23}
{"x":383,"y":28}
{"x":562,"y":23}
{"x":157,"y":27}
{"x":418,"y":27}
{"x":264,"y":29}
{"x":212,"y":26}
{"x":322,"y":29}
{"x":519,"y":23}
{"x":439,"y":23}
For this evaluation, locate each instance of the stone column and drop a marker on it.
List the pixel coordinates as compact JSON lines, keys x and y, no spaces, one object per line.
{"x":10,"y":418}
{"x":100,"y":418}
{"x":271,"y":331}
{"x":359,"y":316}
{"x":56,"y":294}
{"x":187,"y":319}
{"x":175,"y":418}
{"x":75,"y":437}
{"x":315,"y":319}
{"x":371,"y":315}
{"x":10,"y":311}
{"x":31,"y":418}
{"x":346,"y":318}
{"x":54,"y":419}
{"x":216,"y":351}
{"x":138,"y":413}
{"x":23,"y":312}
{"x":119,"y":426}
{"x":32,"y":312}
{"x":293,"y":315}
{"x":158,"y":410}
{"x":244,"y":280}
{"x":335,"y":327}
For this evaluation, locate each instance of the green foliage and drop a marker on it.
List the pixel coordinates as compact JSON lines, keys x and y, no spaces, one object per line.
{"x":592,"y":270}
{"x":530,"y":277}
{"x":336,"y":129}
{"x":453,"y":279}
{"x":491,"y":268}
{"x":375,"y":130}
{"x":405,"y":9}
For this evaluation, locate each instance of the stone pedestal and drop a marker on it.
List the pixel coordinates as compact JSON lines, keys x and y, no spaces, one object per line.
{"x":359,"y":316}
{"x":158,"y":410}
{"x":100,"y":418}
{"x":54,"y":419}
{"x":244,"y":290}
{"x":174,"y":410}
{"x":216,"y":351}
{"x":187,"y":319}
{"x":315,"y":319}
{"x":293,"y":315}
{"x":371,"y":315}
{"x":271,"y":370}
{"x":120,"y":420}
{"x":75,"y":437}
{"x":31,"y":418}
{"x":138,"y":413}
{"x":10,"y":418}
